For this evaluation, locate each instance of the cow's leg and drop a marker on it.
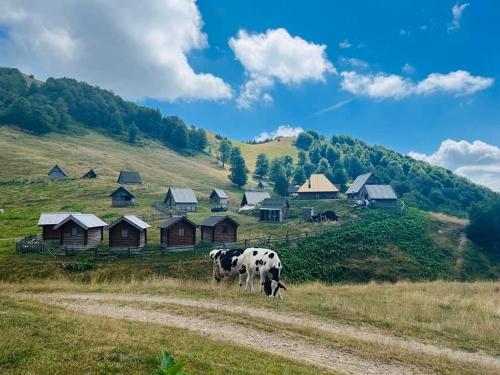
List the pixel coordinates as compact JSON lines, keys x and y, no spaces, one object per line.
{"x":249,"y":287}
{"x":262,"y":280}
{"x":240,"y":279}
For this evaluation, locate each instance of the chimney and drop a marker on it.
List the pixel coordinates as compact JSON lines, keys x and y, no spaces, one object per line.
{"x":309,"y":182}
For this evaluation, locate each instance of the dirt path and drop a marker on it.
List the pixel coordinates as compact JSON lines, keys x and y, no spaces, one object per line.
{"x":281,"y":345}
{"x":460,"y":260}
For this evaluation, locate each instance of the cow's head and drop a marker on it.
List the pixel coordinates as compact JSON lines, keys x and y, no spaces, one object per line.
{"x":272,"y":287}
{"x":214,"y":254}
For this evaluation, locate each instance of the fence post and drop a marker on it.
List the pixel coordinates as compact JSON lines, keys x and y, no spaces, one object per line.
{"x":287,"y":236}
{"x":268,"y":240}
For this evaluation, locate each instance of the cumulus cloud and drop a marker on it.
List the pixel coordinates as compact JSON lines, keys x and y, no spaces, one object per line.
{"x":384,"y":86}
{"x":136,"y":49}
{"x":457,"y":11}
{"x":276,"y":56}
{"x":281,"y":131}
{"x":478,"y":161}
{"x":353,"y":62}
{"x":408,"y":69}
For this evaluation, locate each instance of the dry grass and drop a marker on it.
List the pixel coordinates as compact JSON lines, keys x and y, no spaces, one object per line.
{"x":273,"y":149}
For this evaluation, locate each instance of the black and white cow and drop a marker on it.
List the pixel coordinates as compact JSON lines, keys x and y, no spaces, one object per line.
{"x":265,"y":263}
{"x":228,"y":262}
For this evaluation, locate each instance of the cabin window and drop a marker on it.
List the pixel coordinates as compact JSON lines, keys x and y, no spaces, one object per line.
{"x":74,"y":231}
{"x":181,"y":232}
{"x":224,"y":229}
{"x":124,"y":233}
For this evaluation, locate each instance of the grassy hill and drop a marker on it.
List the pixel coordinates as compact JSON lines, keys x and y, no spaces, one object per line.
{"x":273,"y":149}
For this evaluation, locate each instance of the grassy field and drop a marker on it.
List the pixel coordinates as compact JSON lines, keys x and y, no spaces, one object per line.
{"x":44,"y":337}
{"x":273,"y":149}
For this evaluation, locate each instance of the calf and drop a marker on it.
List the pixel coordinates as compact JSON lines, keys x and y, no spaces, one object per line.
{"x":228,"y":263}
{"x":267,"y":265}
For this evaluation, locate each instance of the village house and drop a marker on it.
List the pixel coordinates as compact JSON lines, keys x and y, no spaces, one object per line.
{"x":57,"y":173}
{"x":181,"y":199}
{"x":219,"y":229}
{"x":219,"y":196}
{"x":252,"y":198}
{"x":128,"y":232}
{"x":274,"y":209}
{"x":177,"y":231}
{"x":293,"y":191}
{"x":72,"y":230}
{"x":318,"y":186}
{"x":129,"y":178}
{"x":263,"y":185}
{"x":90,"y":174}
{"x":122,"y":197}
{"x":48,"y":220}
{"x":381,"y":196}
{"x":354,"y":191}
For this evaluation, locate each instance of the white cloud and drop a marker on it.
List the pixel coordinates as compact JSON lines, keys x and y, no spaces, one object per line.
{"x":276,"y":56}
{"x":334,"y":107}
{"x":408,"y":69}
{"x":281,"y":131}
{"x":383,"y":86}
{"x":404,"y":32}
{"x":457,"y":12}
{"x":133,"y":48}
{"x":478,"y":161}
{"x":353,"y":62}
{"x":345,"y":44}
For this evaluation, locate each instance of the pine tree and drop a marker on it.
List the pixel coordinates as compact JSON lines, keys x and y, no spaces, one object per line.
{"x":238,"y":174}
{"x":262,"y":166}
{"x":132,"y":133}
{"x":281,"y":183}
{"x":299,"y":176}
{"x":225,"y":151}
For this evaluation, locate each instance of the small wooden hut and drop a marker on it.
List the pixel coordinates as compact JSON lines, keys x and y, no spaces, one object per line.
{"x":57,"y":173}
{"x":318,"y":186}
{"x":80,"y":231}
{"x":263,"y":185}
{"x":128,"y":232}
{"x":181,"y":199}
{"x":49,"y":220}
{"x":90,"y":174}
{"x":122,"y":197}
{"x":219,"y":229}
{"x":381,"y":196}
{"x":219,"y":196}
{"x":177,"y":231}
{"x":274,"y":209}
{"x":354,"y":191}
{"x":252,"y":198}
{"x":129,"y":178}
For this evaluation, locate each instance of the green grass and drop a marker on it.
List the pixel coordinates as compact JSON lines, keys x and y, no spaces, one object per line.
{"x":273,"y":149}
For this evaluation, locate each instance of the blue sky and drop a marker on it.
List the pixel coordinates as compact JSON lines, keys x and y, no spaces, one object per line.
{"x":420,"y":77}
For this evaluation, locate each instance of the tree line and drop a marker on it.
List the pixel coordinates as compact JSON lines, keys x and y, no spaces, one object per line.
{"x":64,"y":104}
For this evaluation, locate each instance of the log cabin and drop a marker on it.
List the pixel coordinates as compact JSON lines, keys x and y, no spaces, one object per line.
{"x":128,"y":232}
{"x":318,"y":186}
{"x":50,"y":219}
{"x":129,"y":177}
{"x":181,"y":199}
{"x":381,"y":196}
{"x":354,"y":191}
{"x":80,"y":231}
{"x":219,"y":229}
{"x":57,"y":173}
{"x":90,"y":174}
{"x":274,"y":209}
{"x":122,"y":197}
{"x":219,"y":196}
{"x":177,"y":231}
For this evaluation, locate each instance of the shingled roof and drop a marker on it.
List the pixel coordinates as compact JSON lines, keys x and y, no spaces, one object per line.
{"x":380,"y":192}
{"x":317,"y":183}
{"x":129,"y":177}
{"x":358,"y":183}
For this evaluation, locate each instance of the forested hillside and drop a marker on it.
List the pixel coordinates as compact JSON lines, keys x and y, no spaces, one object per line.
{"x":62,"y":104}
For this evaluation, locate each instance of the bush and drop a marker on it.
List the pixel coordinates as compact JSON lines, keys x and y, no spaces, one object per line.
{"x":168,"y":365}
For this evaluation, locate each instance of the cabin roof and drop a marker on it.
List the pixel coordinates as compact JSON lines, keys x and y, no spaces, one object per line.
{"x":317,"y":183}
{"x":220,"y":193}
{"x":212,"y":221}
{"x":53,"y":218}
{"x":274,"y":203}
{"x":182,"y":195}
{"x":90,"y":173}
{"x":174,"y":220}
{"x":293,"y":188}
{"x":263,"y":184}
{"x":254,"y":197}
{"x":129,"y":177}
{"x":57,"y":168}
{"x":380,"y":192}
{"x":132,"y":220}
{"x":358,"y":183}
{"x":124,"y":189}
{"x":86,"y":221}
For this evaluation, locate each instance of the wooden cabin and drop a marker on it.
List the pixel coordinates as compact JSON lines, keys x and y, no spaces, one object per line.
{"x":90,"y":174}
{"x":318,"y":186}
{"x":181,"y":199}
{"x":122,"y":197}
{"x":48,"y":221}
{"x":263,"y":185}
{"x":177,"y":231}
{"x":219,"y":196}
{"x":252,"y":198}
{"x":219,"y":229}
{"x":80,"y":231}
{"x":354,"y":191}
{"x":57,"y":173}
{"x":129,"y":178}
{"x":274,"y":209}
{"x":380,"y":196}
{"x":128,"y":232}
